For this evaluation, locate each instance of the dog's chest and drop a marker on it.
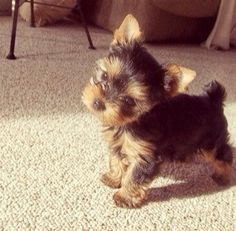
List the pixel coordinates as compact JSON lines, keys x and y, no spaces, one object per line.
{"x":125,"y":144}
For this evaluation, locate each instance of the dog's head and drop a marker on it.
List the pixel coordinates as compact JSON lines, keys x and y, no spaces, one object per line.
{"x":129,"y":81}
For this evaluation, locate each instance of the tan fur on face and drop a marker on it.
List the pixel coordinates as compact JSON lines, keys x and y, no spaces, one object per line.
{"x":112,"y":66}
{"x":137,"y":91}
{"x":112,"y":115}
{"x":90,"y":93}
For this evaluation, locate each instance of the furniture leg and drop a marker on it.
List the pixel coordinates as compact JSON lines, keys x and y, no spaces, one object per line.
{"x":13,"y":33}
{"x":79,"y":9}
{"x":32,"y":22}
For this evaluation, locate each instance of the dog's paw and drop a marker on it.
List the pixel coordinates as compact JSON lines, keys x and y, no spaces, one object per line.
{"x":110,"y":181}
{"x":127,"y":201}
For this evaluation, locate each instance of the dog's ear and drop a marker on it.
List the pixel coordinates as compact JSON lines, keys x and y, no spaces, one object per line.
{"x":128,"y":31}
{"x":177,"y":78}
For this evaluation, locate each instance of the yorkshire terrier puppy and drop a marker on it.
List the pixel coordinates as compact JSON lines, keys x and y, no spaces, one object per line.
{"x":147,"y":123}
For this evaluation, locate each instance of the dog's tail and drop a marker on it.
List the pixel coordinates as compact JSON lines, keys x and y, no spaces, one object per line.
{"x":217,"y":94}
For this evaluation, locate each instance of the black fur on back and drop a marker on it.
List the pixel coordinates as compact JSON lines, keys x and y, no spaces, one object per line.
{"x":184,"y":124}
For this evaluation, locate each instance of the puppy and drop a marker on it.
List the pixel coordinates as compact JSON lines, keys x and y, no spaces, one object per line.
{"x":145,"y":124}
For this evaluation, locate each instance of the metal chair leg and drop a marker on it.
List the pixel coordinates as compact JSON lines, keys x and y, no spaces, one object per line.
{"x":11,"y":54}
{"x":78,"y":8}
{"x":32,"y":22}
{"x":13,"y":33}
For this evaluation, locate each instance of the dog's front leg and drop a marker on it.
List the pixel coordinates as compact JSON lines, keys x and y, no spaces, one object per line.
{"x":118,"y":166}
{"x":135,"y":183}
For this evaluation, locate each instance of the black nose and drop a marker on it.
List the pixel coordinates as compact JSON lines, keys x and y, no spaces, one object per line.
{"x":98,"y":105}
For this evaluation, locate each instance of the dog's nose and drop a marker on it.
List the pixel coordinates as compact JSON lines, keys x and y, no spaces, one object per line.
{"x":98,"y":105}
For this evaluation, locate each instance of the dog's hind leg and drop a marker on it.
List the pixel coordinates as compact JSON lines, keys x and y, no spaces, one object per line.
{"x":222,"y":164}
{"x":221,"y":160}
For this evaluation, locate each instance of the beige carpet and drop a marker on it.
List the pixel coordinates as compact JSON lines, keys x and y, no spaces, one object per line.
{"x":51,"y":151}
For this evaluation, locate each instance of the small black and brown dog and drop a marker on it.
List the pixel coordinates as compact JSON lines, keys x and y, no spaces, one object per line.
{"x":144,"y":125}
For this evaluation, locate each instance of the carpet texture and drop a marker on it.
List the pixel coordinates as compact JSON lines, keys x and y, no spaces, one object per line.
{"x":52,"y":153}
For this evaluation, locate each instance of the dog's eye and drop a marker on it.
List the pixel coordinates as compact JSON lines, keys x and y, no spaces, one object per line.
{"x":128,"y":101}
{"x":104,"y":76}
